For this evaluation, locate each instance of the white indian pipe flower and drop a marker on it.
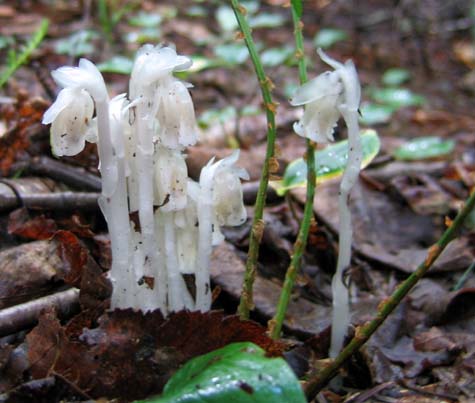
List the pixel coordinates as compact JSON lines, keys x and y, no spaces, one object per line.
{"x":165,"y":102}
{"x":171,"y":176}
{"x":175,"y":115}
{"x":154,"y":63}
{"x":71,"y":116}
{"x":85,"y":76}
{"x":325,"y":99}
{"x":212,"y":211}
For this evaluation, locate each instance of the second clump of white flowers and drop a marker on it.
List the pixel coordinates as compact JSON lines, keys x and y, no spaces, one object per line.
{"x":329,"y":96}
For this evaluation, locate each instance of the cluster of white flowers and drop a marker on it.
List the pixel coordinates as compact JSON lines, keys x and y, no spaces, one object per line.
{"x":141,"y":140}
{"x":327,"y":97}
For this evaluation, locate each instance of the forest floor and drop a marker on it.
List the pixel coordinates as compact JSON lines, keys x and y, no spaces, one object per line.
{"x":424,"y":352}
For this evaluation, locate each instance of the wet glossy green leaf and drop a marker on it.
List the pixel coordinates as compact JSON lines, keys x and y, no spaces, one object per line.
{"x":237,"y":373}
{"x":327,"y":37}
{"x":374,"y":114}
{"x":226,"y":18}
{"x":395,"y":76}
{"x":266,"y":20}
{"x":276,"y":56}
{"x":232,"y":53}
{"x":117,"y":64}
{"x":424,"y":147}
{"x":397,"y":97}
{"x":298,"y":7}
{"x":329,"y":162}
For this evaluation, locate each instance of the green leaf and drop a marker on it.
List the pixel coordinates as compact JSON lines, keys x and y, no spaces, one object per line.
{"x":276,"y":56}
{"x":266,"y":20}
{"x":144,"y":35}
{"x":145,"y":20}
{"x":290,"y":89}
{"x":6,"y":41}
{"x":395,"y":77}
{"x":397,"y":97}
{"x":201,"y":63}
{"x":374,"y":114}
{"x":232,"y":53}
{"x":196,"y":11}
{"x":424,"y":147}
{"x":237,"y":373}
{"x":329,"y":162}
{"x":77,"y":44}
{"x":226,"y":18}
{"x":327,"y":37}
{"x":213,"y":116}
{"x":116,"y":64}
{"x":252,"y":6}
{"x":298,"y":7}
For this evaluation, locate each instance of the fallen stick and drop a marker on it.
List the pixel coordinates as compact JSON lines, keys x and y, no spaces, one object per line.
{"x":22,"y":316}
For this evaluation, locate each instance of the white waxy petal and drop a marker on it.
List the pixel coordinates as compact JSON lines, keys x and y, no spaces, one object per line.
{"x":319,"y":120}
{"x":348,"y":77}
{"x":170,"y":180}
{"x":86,"y":76}
{"x":70,"y":125}
{"x":326,"y":84}
{"x":227,"y":199}
{"x":326,"y":97}
{"x":64,"y":99}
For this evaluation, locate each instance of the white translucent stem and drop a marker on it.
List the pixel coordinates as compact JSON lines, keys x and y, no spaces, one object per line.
{"x":113,"y":202}
{"x":341,"y":308}
{"x":176,"y":285}
{"x":145,"y":173}
{"x":203,"y":288}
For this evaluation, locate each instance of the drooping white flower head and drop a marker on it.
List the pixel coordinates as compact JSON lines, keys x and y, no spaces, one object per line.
{"x":153,"y":63}
{"x":70,"y":116}
{"x":71,"y":113}
{"x":326,"y":97}
{"x":175,"y":115}
{"x":221,"y":187}
{"x":86,"y":76}
{"x":166,"y":105}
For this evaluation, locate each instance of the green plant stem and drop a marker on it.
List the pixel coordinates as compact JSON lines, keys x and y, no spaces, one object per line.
{"x":246,"y":302}
{"x":275,"y":324}
{"x":30,"y":47}
{"x":318,"y":380}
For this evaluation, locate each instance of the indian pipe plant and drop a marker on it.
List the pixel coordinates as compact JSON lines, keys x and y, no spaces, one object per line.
{"x":141,"y":138}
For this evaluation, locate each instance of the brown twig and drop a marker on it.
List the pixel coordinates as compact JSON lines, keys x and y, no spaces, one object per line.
{"x":22,"y":316}
{"x":49,"y":201}
{"x":72,"y":176}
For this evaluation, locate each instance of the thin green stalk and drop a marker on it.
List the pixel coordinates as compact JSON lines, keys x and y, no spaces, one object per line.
{"x":319,"y":379}
{"x":275,"y":324}
{"x":246,"y":302}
